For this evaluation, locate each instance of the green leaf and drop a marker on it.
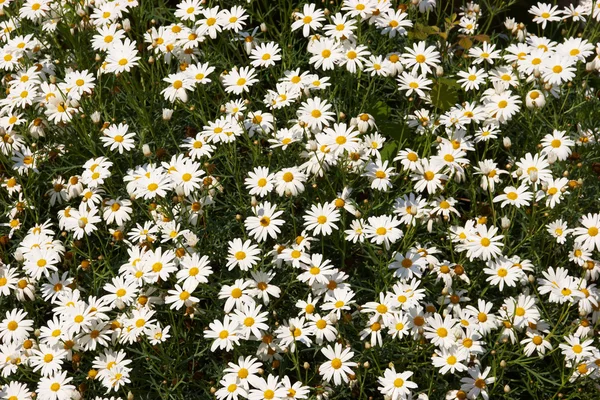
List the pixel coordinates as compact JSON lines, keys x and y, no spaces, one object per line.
{"x":380,"y":111}
{"x":444,"y":94}
{"x":392,"y":129}
{"x":389,"y":151}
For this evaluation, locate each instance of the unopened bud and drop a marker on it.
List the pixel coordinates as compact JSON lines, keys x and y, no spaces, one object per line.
{"x":505,"y":222}
{"x":507,"y":142}
{"x":95,"y":117}
{"x":533,"y":176}
{"x":519,"y":172}
{"x":263,"y":27}
{"x":552,"y":157}
{"x":146,"y":150}
{"x":167,"y":114}
{"x":126,"y":25}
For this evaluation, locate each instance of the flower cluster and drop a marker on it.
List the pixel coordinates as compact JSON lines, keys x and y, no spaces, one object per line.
{"x":323,"y":203}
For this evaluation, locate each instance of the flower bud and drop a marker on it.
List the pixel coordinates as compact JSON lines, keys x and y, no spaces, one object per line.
{"x":95,"y":117}
{"x":146,"y":150}
{"x":519,"y":172}
{"x":126,"y":25}
{"x":505,"y":222}
{"x":533,"y":176}
{"x":506,"y":142}
{"x":167,"y":114}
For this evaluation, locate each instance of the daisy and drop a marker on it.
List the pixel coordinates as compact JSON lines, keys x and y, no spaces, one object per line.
{"x":440,"y":331}
{"x":265,"y":222}
{"x":265,"y":55}
{"x":187,"y":10}
{"x":122,"y":56}
{"x":500,"y":274}
{"x":117,"y":137}
{"x":421,"y":58}
{"x":340,"y":300}
{"x":450,"y":359}
{"x":341,"y":28}
{"x":56,"y":387}
{"x":237,"y":294}
{"x":199,"y":73}
{"x":559,"y":230}
{"x":47,"y":359}
{"x":554,"y":191}
{"x":181,"y":296}
{"x":211,"y":24}
{"x":394,"y":23}
{"x":502,"y":106}
{"x":558,"y":143}
{"x":239,"y":81}
{"x":354,"y":57}
{"x":338,"y":366}
{"x":587,"y":235}
{"x":242,"y":255}
{"x":294,"y":332}
{"x":194,"y":269}
{"x":269,"y":389}
{"x":179,"y":85}
{"x":326,"y":54}
{"x":412,"y":82}
{"x":251,"y":321}
{"x":484,"y":243}
{"x":234,"y":18}
{"x":472,"y":78}
{"x":262,"y":288}
{"x":557,"y":70}
{"x":317,"y":270}
{"x":535,"y":342}
{"x":316,"y":113}
{"x":225,"y":334}
{"x":428,"y":176}
{"x":408,"y":265}
{"x":321,"y":219}
{"x":322,"y":327}
{"x":544,"y":13}
{"x":117,"y":211}
{"x":383,"y":229}
{"x":341,"y":138}
{"x":360,"y":8}
{"x":487,"y":53}
{"x":379,"y":174}
{"x":289,"y":182}
{"x":518,"y":197}
{"x":477,"y":383}
{"x":534,"y":166}
{"x":396,"y":385}
{"x":575,"y":348}
{"x":535,"y":99}
{"x":309,"y":19}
